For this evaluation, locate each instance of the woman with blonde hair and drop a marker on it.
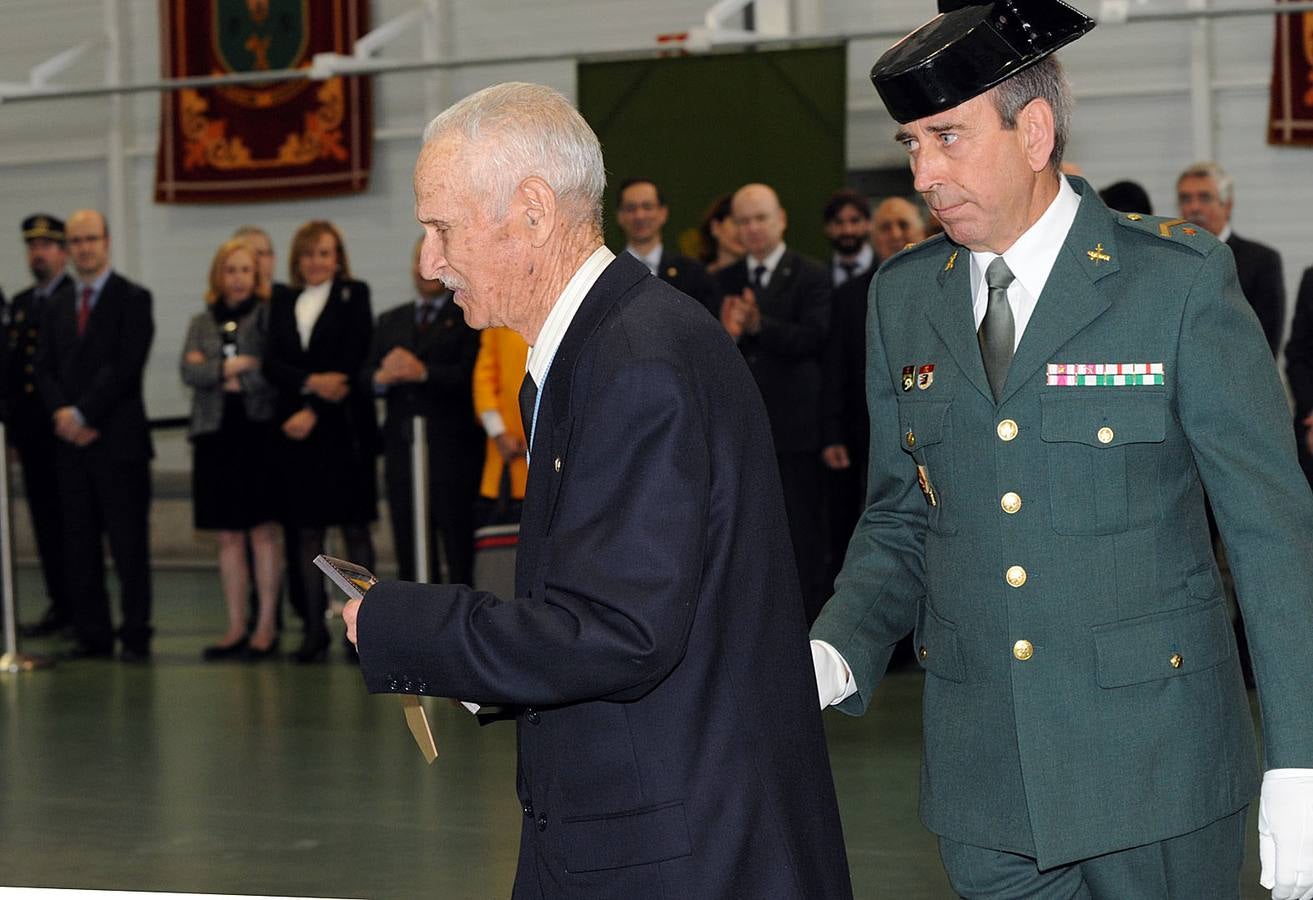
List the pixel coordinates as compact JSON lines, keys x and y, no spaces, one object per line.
{"x":231,"y":432}
{"x":320,"y":327}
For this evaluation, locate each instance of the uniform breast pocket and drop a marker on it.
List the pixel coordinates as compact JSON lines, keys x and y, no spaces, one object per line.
{"x":924,"y":433}
{"x":1100,"y":458}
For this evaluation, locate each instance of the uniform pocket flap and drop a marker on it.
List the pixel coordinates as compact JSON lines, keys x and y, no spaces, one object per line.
{"x":629,"y":838}
{"x":937,"y":646}
{"x":1104,"y":420}
{"x":921,"y":423}
{"x":1166,"y":645}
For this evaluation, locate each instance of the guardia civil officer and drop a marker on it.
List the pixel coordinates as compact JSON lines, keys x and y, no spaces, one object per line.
{"x":1053,"y":387}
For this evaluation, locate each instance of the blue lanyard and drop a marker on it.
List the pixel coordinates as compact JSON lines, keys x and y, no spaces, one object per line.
{"x":537,"y":401}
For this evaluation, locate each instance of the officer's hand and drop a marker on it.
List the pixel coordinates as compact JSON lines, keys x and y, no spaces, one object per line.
{"x":1285,"y":833}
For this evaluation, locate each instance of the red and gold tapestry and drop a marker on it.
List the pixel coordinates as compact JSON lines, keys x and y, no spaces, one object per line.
{"x":1290,"y":120}
{"x":261,"y":140}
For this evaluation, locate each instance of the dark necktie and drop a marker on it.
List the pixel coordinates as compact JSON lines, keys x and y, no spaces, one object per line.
{"x":849,"y":270}
{"x":427,"y":313}
{"x":759,"y":279}
{"x":528,"y":396}
{"x":84,"y":310}
{"x":997,"y":332}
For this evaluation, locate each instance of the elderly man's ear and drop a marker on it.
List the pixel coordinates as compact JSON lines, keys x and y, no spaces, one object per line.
{"x":538,"y":206}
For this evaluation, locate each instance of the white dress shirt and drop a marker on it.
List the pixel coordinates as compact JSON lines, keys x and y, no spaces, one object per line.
{"x":770,"y":262}
{"x":309,"y":306}
{"x":652,"y":260}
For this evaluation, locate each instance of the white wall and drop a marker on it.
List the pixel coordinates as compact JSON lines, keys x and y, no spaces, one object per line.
{"x":1133,"y":120}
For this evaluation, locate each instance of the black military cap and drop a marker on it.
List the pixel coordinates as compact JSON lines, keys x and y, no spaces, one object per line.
{"x":41,"y":225}
{"x":966,"y":50}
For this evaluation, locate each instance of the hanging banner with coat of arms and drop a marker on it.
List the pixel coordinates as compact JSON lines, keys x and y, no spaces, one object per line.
{"x":1290,"y":120}
{"x":261,"y":140}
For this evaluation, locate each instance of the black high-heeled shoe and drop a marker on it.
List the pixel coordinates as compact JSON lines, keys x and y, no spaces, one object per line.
{"x":313,"y":649}
{"x":219,"y":652}
{"x":256,"y":654}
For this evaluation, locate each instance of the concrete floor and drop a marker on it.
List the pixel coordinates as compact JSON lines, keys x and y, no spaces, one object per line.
{"x":283,"y":780}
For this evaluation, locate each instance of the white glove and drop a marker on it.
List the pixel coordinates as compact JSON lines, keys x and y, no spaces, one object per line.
{"x":1285,"y":833}
{"x":834,"y":682}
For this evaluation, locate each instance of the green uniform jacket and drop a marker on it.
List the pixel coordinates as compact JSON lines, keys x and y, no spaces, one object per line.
{"x":1082,"y":691}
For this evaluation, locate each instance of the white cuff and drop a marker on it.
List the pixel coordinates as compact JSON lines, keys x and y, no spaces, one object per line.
{"x":492,"y":423}
{"x":834,"y":680}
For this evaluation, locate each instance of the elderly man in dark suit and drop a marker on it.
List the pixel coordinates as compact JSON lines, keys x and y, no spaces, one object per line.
{"x":92,"y":354}
{"x":777,"y":308}
{"x":1052,"y":388}
{"x":421,"y":360}
{"x":670,"y":744}
{"x":1206,"y":195}
{"x":26,"y":419}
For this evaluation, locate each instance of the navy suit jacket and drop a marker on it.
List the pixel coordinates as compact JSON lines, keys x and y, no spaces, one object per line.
{"x":1259,"y":268}
{"x":101,"y":372}
{"x":670,"y":740}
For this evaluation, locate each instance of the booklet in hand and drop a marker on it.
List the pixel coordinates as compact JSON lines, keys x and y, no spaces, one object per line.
{"x":355,"y":581}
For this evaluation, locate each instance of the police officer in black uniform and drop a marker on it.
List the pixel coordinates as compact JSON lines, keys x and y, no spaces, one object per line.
{"x":27,"y":422}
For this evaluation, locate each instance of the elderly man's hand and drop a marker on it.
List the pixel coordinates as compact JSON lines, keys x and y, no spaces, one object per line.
{"x":349,"y":614}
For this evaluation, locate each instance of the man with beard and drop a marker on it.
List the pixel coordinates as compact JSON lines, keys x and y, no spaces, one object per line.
{"x":27,"y":422}
{"x":847,"y":218}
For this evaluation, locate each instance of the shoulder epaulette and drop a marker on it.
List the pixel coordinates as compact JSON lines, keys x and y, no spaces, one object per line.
{"x":1178,"y":231}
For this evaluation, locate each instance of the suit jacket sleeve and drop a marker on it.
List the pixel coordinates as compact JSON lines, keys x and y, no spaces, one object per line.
{"x":1234,"y":414}
{"x":121,"y":374}
{"x":621,"y":583}
{"x":878,"y":591}
{"x":804,"y":333}
{"x":1299,"y":352}
{"x":1270,"y":300}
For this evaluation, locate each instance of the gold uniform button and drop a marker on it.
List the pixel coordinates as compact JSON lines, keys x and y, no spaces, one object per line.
{"x":922,"y":653}
{"x":1011,"y":502}
{"x":1176,"y":661}
{"x":1023,"y":650}
{"x":1016,"y":576}
{"x":1007,"y":430}
{"x":1105,"y":435}
{"x":911,"y":438}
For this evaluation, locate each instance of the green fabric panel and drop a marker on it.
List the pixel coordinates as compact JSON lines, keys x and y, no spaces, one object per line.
{"x":705,"y":125}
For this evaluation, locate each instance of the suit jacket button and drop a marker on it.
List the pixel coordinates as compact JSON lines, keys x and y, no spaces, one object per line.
{"x":1176,"y":661}
{"x":532,"y":715}
{"x":1011,"y":502}
{"x":556,"y":464}
{"x":1016,"y":576}
{"x":1007,"y":430}
{"x":922,"y":653}
{"x":528,"y":810}
{"x":392,"y":684}
{"x":542,"y":823}
{"x":1023,"y":650}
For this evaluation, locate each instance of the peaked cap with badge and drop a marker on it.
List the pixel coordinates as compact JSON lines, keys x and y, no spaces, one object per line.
{"x":1048,"y":545}
{"x":42,"y":225}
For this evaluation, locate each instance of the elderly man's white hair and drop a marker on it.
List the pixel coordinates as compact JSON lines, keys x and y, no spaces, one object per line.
{"x":514,"y":130}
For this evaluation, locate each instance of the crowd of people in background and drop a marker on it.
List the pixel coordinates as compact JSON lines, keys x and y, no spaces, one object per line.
{"x":285,"y":378}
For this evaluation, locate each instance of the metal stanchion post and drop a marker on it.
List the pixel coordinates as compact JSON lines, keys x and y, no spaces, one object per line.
{"x":419,"y":487}
{"x":12,"y":660}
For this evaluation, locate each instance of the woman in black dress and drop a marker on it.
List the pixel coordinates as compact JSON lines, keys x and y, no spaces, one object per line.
{"x":319,"y":332}
{"x":231,"y":433}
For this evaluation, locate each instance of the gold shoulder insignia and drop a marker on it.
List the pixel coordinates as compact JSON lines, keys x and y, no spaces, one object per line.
{"x":1178,"y":231}
{"x":1165,"y":228}
{"x":1134,"y":217}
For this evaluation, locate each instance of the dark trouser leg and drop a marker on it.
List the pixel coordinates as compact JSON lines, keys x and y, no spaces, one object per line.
{"x":292,"y":566}
{"x":124,"y":492}
{"x":41,"y":487}
{"x":800,"y":476}
{"x":83,"y":556}
{"x":310,"y":540}
{"x":1202,"y":865}
{"x":844,"y":493}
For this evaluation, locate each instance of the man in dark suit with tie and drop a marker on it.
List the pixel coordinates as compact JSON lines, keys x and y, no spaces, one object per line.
{"x":641,"y":213}
{"x":422,"y":360}
{"x":1206,"y":195}
{"x":777,"y":308}
{"x":27,"y":422}
{"x":669,"y":739}
{"x":92,"y":353}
